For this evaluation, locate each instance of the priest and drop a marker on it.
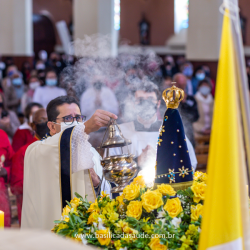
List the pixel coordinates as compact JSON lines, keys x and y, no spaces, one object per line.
{"x":144,"y":130}
{"x":61,"y":164}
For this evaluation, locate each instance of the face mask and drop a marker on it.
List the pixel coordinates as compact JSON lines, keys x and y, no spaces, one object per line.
{"x":146,"y":109}
{"x":17,"y":81}
{"x":200,"y":76}
{"x":42,"y":129}
{"x":188,"y":71}
{"x":34,"y":85}
{"x":40,"y":66}
{"x":51,"y":82}
{"x":64,"y":126}
{"x":204,"y":90}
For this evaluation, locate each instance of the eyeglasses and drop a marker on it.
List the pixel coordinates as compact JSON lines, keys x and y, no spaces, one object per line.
{"x":69,"y":119}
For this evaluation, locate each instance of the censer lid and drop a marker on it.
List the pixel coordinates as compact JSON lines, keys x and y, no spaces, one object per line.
{"x":115,"y":139}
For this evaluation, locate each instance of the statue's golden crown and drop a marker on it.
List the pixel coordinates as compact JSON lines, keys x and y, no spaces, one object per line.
{"x":173,"y":96}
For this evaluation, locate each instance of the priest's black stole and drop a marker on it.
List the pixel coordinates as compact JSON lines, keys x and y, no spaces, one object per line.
{"x":65,"y":166}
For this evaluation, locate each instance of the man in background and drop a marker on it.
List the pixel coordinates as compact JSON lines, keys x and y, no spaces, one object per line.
{"x":25,"y":133}
{"x":39,"y":126}
{"x":143,"y":131}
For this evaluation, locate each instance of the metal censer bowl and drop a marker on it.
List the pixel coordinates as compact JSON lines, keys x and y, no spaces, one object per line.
{"x":119,"y":169}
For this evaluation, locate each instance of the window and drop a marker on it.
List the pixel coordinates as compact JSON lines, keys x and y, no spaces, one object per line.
{"x":116,"y":14}
{"x":180,"y":15}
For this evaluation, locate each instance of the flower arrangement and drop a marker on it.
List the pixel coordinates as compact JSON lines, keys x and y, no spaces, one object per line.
{"x":140,"y":218}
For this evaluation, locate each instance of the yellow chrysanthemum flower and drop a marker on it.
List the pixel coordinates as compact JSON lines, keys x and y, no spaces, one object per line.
{"x":75,"y":202}
{"x":200,"y":176}
{"x":94,"y":207}
{"x":117,"y":244}
{"x":192,"y":230}
{"x":92,"y":218}
{"x":113,"y":217}
{"x":66,"y":210}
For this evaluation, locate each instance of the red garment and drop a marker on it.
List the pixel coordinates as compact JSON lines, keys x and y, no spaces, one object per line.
{"x":21,"y":138}
{"x":6,"y":151}
{"x":16,"y":180}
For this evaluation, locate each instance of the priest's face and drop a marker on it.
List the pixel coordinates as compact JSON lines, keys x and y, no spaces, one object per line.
{"x":64,"y":110}
{"x":146,"y":104}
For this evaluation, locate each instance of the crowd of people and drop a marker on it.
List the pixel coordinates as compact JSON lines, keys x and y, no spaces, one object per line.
{"x":129,"y":86}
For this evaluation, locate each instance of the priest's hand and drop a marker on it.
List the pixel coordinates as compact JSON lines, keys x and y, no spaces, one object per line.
{"x":95,"y":177}
{"x":99,"y":119}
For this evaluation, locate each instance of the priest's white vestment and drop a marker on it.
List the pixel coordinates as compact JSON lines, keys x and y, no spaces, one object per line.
{"x":54,"y":169}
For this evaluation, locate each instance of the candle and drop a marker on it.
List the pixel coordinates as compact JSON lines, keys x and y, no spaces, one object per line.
{"x":1,"y":219}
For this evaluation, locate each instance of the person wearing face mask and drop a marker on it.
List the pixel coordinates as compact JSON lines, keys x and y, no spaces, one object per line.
{"x":40,"y":128}
{"x":45,"y":94}
{"x":98,"y":96}
{"x":62,"y":163}
{"x":144,"y":130}
{"x":8,"y":119}
{"x":208,"y":76}
{"x":10,"y":70}
{"x":205,"y":103}
{"x":14,"y":92}
{"x":26,"y":71}
{"x":27,"y":97}
{"x":25,"y":133}
{"x":187,"y":70}
{"x":168,"y":68}
{"x":40,"y":65}
{"x":199,"y":75}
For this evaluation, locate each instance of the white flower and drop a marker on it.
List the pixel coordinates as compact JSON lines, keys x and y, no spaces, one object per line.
{"x":125,"y":248}
{"x":100,"y":224}
{"x":94,"y":224}
{"x":176,"y":222}
{"x":162,"y":221}
{"x":199,"y":230}
{"x":64,"y":217}
{"x":161,"y":214}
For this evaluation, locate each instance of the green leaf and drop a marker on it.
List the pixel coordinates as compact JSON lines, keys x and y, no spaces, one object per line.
{"x":78,"y":196}
{"x":68,"y":204}
{"x":57,"y":221}
{"x":64,"y":232}
{"x":163,"y":241}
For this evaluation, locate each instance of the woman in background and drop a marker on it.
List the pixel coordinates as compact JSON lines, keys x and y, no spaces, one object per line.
{"x":8,"y":119}
{"x":6,"y":154}
{"x":27,"y":97}
{"x":205,"y":103}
